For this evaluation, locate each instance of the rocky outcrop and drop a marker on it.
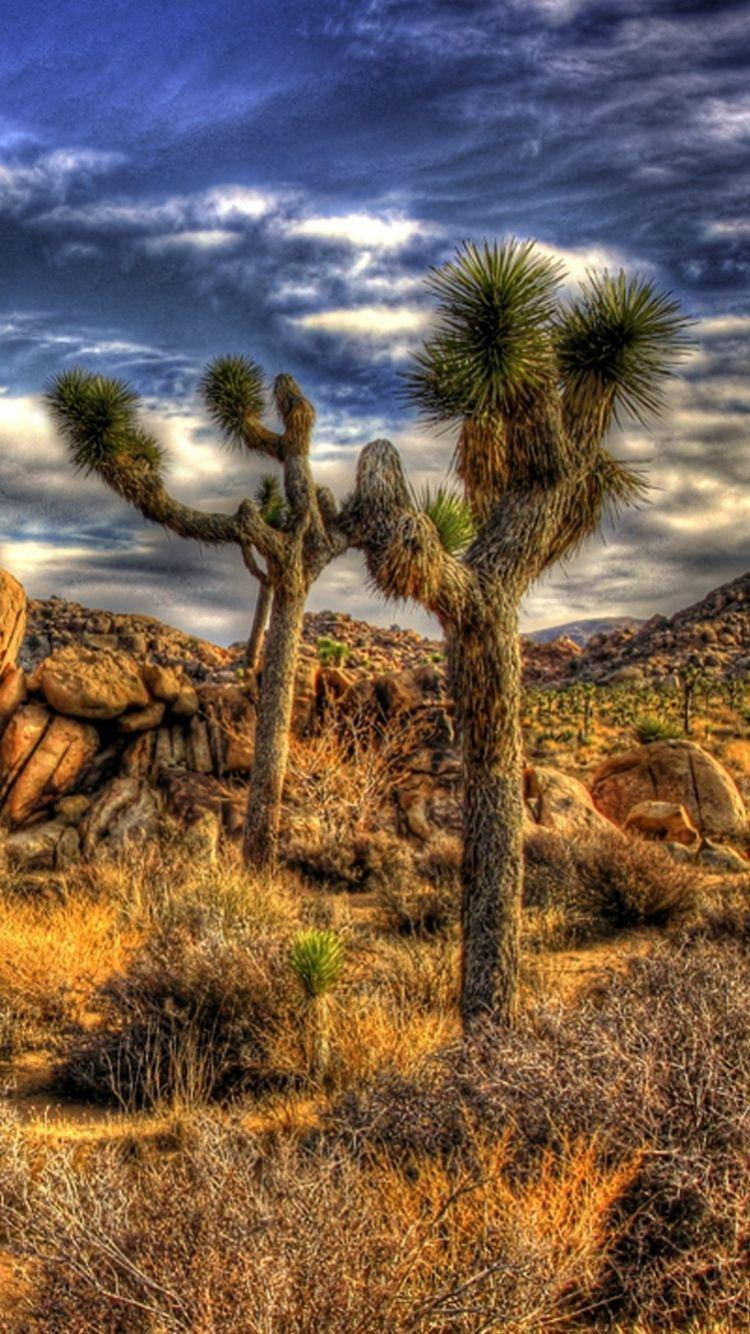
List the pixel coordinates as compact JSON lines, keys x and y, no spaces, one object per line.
{"x":678,"y":772}
{"x":54,"y":766}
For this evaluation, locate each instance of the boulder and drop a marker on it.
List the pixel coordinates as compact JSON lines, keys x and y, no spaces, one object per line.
{"x":559,"y":801}
{"x":20,"y":738}
{"x":679,"y":772}
{"x":663,"y":820}
{"x":86,"y":683}
{"x":720,"y":857}
{"x":12,"y":619}
{"x":12,"y":693}
{"x":143,"y":720}
{"x":124,"y":810}
{"x":52,"y":769}
{"x":34,"y":848}
{"x":186,"y":704}
{"x":163,"y":682}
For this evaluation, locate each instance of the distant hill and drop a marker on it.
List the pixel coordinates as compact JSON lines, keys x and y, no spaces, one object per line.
{"x":581,"y":631}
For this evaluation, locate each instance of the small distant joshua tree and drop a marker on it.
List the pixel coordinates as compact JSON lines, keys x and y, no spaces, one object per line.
{"x":533,"y":385}
{"x":317,"y":959}
{"x":294,"y":540}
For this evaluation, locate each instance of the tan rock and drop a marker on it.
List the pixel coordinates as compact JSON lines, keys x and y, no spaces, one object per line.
{"x":663,"y":820}
{"x":53,"y":767}
{"x":720,"y":857}
{"x":198,"y":748}
{"x":139,"y":756}
{"x":559,"y":801}
{"x":12,"y":619}
{"x":34,"y":848}
{"x":20,"y":738}
{"x":72,"y":809}
{"x":163,"y":682}
{"x":84,"y":683}
{"x":186,"y":704}
{"x":142,"y":720}
{"x":673,"y":771}
{"x":12,"y":694}
{"x":67,"y":849}
{"x":110,"y":804}
{"x":305,"y":703}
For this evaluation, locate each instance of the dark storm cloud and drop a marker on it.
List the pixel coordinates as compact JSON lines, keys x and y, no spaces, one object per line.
{"x":181,"y":180}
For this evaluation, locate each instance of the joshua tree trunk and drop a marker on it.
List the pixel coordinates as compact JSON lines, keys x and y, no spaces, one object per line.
{"x":260,"y":620}
{"x":260,"y":839}
{"x":486,"y":677}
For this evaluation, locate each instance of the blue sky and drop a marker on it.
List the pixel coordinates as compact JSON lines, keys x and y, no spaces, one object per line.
{"x":181,"y":180}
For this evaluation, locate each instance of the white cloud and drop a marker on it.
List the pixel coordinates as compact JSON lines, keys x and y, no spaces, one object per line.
{"x":359,"y":230}
{"x":726,"y":118}
{"x":725,"y":326}
{"x":729,"y":227}
{"x":49,"y":175}
{"x":203,"y":211}
{"x":578,"y":260}
{"x":208,"y":239}
{"x":367,"y":321}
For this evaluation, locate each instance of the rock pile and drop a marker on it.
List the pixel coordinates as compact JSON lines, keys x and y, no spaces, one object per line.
{"x":712,"y":635}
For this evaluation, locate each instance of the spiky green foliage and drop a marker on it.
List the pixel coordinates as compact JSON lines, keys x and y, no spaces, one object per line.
{"x":450,"y":514}
{"x":316,"y":959}
{"x":269,"y":498}
{"x":491,"y":348}
{"x":234,"y":392}
{"x":616,"y":343}
{"x":97,"y":419}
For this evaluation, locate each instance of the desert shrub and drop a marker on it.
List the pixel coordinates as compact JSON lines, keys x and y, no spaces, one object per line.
{"x":232,"y":1237}
{"x":360,"y":863}
{"x":649,"y":728}
{"x":194,"y":1015}
{"x":605,"y":882}
{"x":656,"y":1063}
{"x":412,"y":908}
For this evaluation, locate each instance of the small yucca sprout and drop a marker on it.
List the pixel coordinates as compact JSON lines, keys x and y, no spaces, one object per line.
{"x":317,"y":959}
{"x":269,"y":498}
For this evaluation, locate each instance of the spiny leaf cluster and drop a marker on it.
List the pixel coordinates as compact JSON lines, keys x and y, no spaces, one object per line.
{"x":97,"y":418}
{"x":235,"y":392}
{"x":316,"y":959}
{"x":451,"y":515}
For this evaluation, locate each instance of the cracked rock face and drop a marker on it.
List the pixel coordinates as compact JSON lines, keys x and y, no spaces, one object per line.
{"x":12,"y":620}
{"x":680,"y":772}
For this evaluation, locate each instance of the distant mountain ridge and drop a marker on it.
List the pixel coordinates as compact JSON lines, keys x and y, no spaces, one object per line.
{"x":581,"y":631}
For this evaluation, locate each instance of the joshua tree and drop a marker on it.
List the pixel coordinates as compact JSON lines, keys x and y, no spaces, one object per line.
{"x":98,"y":418}
{"x":533,"y":385}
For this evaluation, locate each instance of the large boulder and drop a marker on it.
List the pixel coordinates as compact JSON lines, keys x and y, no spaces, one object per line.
{"x":559,"y":801}
{"x":12,"y":619}
{"x":91,"y":683}
{"x":52,"y":769}
{"x":680,"y":772}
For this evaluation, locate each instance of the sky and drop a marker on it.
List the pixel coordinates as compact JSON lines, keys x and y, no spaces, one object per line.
{"x":181,"y":180}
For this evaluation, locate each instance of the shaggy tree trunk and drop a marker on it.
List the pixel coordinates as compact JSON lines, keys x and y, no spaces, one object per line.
{"x":260,"y":619}
{"x":487,"y":672}
{"x":261,"y":832}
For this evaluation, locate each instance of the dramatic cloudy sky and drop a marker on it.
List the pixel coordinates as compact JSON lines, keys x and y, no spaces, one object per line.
{"x":183,"y":179}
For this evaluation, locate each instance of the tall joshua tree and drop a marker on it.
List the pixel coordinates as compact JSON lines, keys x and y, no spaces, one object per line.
{"x":98,"y":418}
{"x":533,"y":385}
